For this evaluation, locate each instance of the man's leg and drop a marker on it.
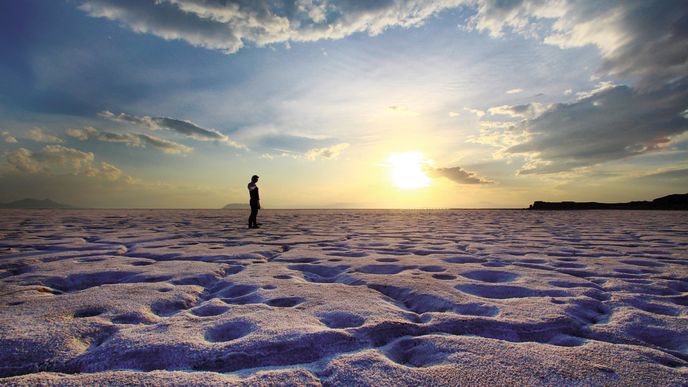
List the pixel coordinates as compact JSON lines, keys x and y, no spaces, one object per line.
{"x":252,"y":218}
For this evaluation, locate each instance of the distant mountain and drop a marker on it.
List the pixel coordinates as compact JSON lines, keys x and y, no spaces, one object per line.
{"x":670,"y":202}
{"x":34,"y":203}
{"x":236,"y":206}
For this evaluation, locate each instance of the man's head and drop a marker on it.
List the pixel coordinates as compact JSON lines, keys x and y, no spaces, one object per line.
{"x":254,"y":178}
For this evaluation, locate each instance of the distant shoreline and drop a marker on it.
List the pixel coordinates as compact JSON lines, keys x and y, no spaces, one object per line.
{"x":675,"y":202}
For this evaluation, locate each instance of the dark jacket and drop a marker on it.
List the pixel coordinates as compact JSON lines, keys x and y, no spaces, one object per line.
{"x":254,"y":195}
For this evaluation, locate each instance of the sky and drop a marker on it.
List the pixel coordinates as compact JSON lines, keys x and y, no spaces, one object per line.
{"x":342,"y":104}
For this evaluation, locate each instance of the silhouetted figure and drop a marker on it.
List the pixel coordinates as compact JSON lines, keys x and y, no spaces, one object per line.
{"x":254,"y":202}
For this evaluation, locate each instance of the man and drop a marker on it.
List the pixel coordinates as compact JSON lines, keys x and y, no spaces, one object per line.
{"x":254,"y":202}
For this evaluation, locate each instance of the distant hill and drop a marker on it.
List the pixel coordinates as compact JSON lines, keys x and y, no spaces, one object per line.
{"x":34,"y":203}
{"x":236,"y":206}
{"x":670,"y":202}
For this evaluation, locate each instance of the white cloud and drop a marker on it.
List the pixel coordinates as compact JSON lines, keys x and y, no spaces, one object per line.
{"x":602,"y":86}
{"x":642,"y":39}
{"x":229,"y":25}
{"x":454,"y":114}
{"x":22,"y":160}
{"x":38,"y":135}
{"x":81,"y":134}
{"x":55,"y":159}
{"x":8,"y":138}
{"x":50,"y":158}
{"x":107,"y":171}
{"x":477,"y":112}
{"x":530,"y":110}
{"x":514,"y":91}
{"x":331,"y":152}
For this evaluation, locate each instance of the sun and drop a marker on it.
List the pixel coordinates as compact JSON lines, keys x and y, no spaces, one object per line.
{"x":407,"y":170}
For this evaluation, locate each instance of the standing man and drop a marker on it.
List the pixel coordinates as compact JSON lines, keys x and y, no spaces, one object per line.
{"x":254,"y":202}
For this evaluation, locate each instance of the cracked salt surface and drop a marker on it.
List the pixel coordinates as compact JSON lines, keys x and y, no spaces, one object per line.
{"x":343,"y":297}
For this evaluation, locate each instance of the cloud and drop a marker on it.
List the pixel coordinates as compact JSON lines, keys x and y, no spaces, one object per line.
{"x":331,"y":152}
{"x":130,"y":139}
{"x":530,"y":110}
{"x":165,"y":146}
{"x":8,"y":138}
{"x":22,"y":160}
{"x":458,"y":175}
{"x":477,"y":112}
{"x":229,"y":25}
{"x":640,"y":39}
{"x":50,"y":157}
{"x":106,"y":171}
{"x":38,"y":135}
{"x":186,"y":128}
{"x":613,"y":123}
{"x":646,"y":40}
{"x":81,"y":134}
{"x":291,"y":143}
{"x":602,"y":86}
{"x":55,"y":159}
{"x":496,"y":124}
{"x":454,"y":114}
{"x":514,"y":91}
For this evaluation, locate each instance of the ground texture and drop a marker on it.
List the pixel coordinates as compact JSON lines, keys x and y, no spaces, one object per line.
{"x":344,"y":297}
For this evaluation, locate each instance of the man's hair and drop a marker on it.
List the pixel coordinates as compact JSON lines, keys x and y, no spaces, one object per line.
{"x":254,"y":177}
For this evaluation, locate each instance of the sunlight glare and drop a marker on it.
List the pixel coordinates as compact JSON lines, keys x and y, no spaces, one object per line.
{"x":407,"y":170}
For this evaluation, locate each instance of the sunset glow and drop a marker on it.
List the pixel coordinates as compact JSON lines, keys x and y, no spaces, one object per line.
{"x":340,"y":104}
{"x":407,"y":170}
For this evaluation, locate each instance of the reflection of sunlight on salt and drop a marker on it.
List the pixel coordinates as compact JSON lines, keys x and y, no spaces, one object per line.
{"x":407,"y":170}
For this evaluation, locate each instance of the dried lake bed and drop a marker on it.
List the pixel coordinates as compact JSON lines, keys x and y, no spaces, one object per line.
{"x":344,"y":297}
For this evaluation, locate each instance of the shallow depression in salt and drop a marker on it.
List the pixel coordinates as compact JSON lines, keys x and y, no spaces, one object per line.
{"x":344,"y":297}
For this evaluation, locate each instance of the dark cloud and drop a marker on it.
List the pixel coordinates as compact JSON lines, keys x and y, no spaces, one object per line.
{"x":645,"y":40}
{"x":185,"y":128}
{"x":458,"y":175}
{"x":611,"y":124}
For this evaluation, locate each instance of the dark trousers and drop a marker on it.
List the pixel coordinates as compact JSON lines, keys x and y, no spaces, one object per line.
{"x":252,"y":218}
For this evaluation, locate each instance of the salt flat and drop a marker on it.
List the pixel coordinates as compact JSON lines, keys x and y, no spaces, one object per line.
{"x":344,"y":297}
